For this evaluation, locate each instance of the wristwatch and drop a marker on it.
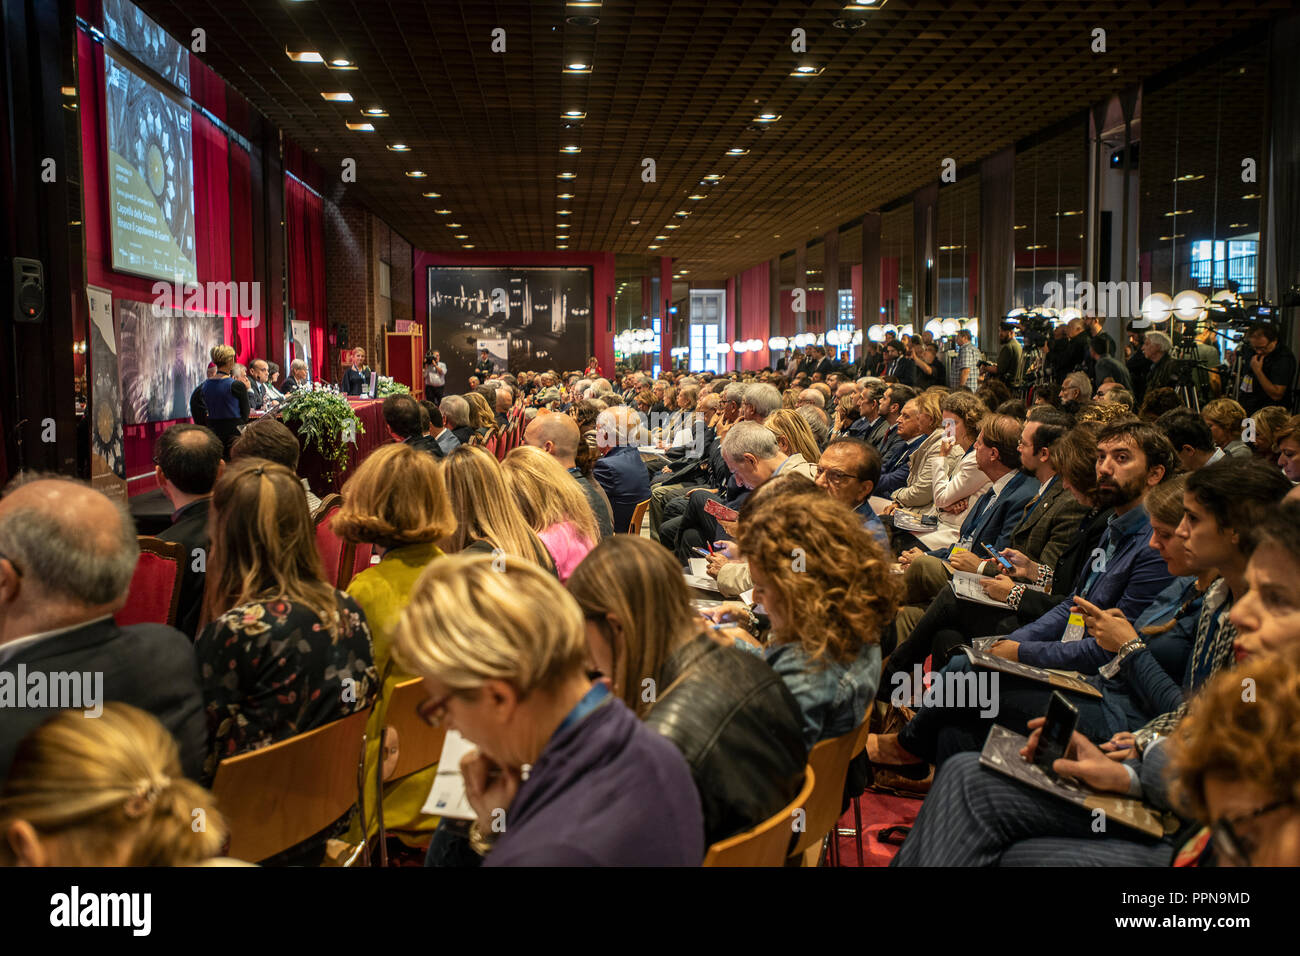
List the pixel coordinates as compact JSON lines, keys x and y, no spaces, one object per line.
{"x":1127,"y":650}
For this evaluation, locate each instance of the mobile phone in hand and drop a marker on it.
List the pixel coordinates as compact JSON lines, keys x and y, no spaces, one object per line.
{"x":1055,"y":737}
{"x":1006,"y":565}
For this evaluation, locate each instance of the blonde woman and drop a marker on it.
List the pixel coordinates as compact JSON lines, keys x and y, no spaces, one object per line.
{"x":566,"y":767}
{"x":285,"y":651}
{"x":481,"y":418}
{"x":1225,"y":418}
{"x":104,"y":792}
{"x":487,"y":518}
{"x":793,"y":436}
{"x":396,"y":503}
{"x":222,"y":400}
{"x":553,"y":505}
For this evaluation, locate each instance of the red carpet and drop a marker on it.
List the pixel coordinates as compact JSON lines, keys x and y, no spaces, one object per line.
{"x":879,"y":811}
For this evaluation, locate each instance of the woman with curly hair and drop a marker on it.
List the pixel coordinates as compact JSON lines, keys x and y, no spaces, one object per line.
{"x":826,"y":586}
{"x":1269,"y":420}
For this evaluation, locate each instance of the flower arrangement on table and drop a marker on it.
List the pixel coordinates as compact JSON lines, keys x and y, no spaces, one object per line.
{"x":389,"y":386}
{"x":326,"y":419}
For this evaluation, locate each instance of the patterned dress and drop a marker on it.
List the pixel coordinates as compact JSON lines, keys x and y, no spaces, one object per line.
{"x":270,"y":670}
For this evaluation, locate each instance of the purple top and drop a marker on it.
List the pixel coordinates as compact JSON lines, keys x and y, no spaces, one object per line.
{"x":606,"y":791}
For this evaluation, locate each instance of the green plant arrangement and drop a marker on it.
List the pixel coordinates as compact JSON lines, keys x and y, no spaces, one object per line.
{"x":325,"y":419}
{"x":388,"y":386}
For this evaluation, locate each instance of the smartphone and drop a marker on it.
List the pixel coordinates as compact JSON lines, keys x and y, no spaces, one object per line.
{"x":1055,"y":738}
{"x":702,"y":552}
{"x":1006,"y":565}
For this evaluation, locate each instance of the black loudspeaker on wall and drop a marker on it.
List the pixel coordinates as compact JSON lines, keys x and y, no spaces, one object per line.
{"x":342,"y":335}
{"x":29,"y":291}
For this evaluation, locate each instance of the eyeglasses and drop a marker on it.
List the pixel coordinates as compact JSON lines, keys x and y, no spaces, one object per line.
{"x":434,"y":712}
{"x":12,"y":563}
{"x":833,"y":475}
{"x":1232,"y":845}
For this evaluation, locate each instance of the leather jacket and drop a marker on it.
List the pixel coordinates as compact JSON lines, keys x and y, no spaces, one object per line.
{"x":738,"y":727}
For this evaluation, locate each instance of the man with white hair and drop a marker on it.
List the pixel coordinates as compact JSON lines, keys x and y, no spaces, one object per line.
{"x":811,"y":396}
{"x":759,"y":401}
{"x":455,"y":416}
{"x":1156,"y":348}
{"x":620,"y":470}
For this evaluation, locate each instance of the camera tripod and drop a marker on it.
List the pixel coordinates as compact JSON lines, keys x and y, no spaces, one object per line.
{"x":1192,"y":379}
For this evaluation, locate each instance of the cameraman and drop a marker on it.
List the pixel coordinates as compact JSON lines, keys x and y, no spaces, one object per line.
{"x":1267,"y":377}
{"x":435,"y":376}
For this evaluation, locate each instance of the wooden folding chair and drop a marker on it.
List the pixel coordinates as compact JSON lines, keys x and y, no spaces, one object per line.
{"x":276,"y":797}
{"x":155,"y":593}
{"x":634,"y":526}
{"x":767,"y":843}
{"x":418,"y":745}
{"x":830,"y":762}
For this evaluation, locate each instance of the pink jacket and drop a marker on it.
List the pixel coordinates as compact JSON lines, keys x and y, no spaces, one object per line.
{"x":567,"y":546}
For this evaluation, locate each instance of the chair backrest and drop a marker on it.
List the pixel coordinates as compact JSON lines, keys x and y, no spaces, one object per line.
{"x":830,"y":762}
{"x":361,"y":555}
{"x":767,"y":843}
{"x":156,"y":584}
{"x":278,"y":796}
{"x":332,"y":548}
{"x":418,"y":744}
{"x":638,"y":515}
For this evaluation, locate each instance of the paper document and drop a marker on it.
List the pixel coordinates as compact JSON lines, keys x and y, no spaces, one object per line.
{"x":966,"y":584}
{"x":702,"y":582}
{"x":447,"y":798}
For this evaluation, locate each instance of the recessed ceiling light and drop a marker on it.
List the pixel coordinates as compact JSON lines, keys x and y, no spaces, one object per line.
{"x":681,"y":212}
{"x":564,"y":212}
{"x":712,"y":178}
{"x":577,"y":67}
{"x":574,"y":114}
{"x":431,"y":195}
{"x":304,"y":56}
{"x":416,"y":173}
{"x":684,"y":272}
{"x":443,"y":212}
{"x":807,"y":71}
{"x":571,"y":149}
{"x":340,"y":61}
{"x":1252,"y":196}
{"x":696,"y":196}
{"x":468,"y":246}
{"x":566,"y":176}
{"x":564,"y":195}
{"x":361,"y":127}
{"x":337,"y":97}
{"x":400,"y":148}
{"x":1019,"y":227}
{"x":672,"y":226}
{"x":562,"y":245}
{"x":634,"y":222}
{"x":661,"y":237}
{"x":460,"y":235}
{"x":736,"y":151}
{"x":1179,"y":212}
{"x":1177,"y":235}
{"x":652,"y":247}
{"x":375,"y":111}
{"x":1238,"y":225}
{"x":1189,"y":178}
{"x":767,"y":117}
{"x":864,"y":5}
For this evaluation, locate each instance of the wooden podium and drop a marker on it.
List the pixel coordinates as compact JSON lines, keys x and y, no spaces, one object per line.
{"x":404,"y":359}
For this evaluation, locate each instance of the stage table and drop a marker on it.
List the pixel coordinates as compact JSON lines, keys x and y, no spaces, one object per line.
{"x":316,"y":470}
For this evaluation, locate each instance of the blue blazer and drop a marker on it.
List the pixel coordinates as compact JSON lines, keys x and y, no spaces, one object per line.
{"x":626,"y":481}
{"x":896,"y":465}
{"x":995,"y":524}
{"x":1132,"y":579}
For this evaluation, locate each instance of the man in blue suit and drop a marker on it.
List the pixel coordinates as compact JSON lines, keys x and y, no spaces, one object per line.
{"x":989,"y":521}
{"x":1125,"y":573}
{"x":620,"y":470}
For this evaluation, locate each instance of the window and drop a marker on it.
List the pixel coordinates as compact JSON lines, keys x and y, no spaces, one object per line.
{"x":707,"y":312}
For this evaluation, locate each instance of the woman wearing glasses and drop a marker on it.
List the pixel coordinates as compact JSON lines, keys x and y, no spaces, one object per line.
{"x":564,"y":774}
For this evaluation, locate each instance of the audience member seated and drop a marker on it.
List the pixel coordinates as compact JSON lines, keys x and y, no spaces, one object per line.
{"x":848,"y":471}
{"x":487,"y":519}
{"x":619,"y":470}
{"x":407,"y":422}
{"x":455,"y":415}
{"x":558,"y":436}
{"x":827,"y":590}
{"x":437,"y":429}
{"x":395,"y":502}
{"x":729,"y":713}
{"x":793,"y":436}
{"x":482,"y":419}
{"x":272,"y":440}
{"x":67,"y":555}
{"x":1225,"y":418}
{"x":553,"y":506}
{"x":285,"y":651}
{"x":907,"y":468}
{"x":104,"y":792}
{"x":514,"y":683}
{"x":1190,"y":436}
{"x":187,"y":463}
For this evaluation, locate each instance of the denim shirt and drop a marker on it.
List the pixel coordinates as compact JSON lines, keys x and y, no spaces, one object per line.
{"x":832,"y":698}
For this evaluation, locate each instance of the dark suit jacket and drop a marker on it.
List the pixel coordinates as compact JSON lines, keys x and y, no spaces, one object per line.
{"x":599,"y":502}
{"x":994,"y":526}
{"x":190,"y":530}
{"x":463,"y":433}
{"x":149,"y":666}
{"x":425,"y":443}
{"x":1044,"y":533}
{"x":626,"y":481}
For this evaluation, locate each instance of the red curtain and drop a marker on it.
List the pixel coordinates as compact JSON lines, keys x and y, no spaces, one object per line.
{"x":240,"y":235}
{"x":304,"y":220}
{"x":212,"y":208}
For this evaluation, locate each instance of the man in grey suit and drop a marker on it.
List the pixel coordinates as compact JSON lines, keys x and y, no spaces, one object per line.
{"x":67,"y":556}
